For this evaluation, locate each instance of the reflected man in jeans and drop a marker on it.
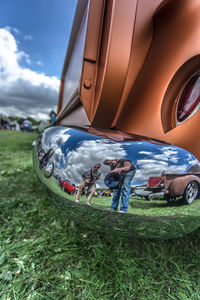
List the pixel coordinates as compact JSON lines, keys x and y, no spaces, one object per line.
{"x":126,"y":170}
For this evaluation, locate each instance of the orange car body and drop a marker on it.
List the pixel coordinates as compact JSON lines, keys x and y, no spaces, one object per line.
{"x":175,"y":184}
{"x":128,"y":64}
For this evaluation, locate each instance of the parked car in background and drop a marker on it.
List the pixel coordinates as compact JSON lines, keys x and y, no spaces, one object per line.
{"x":68,"y":187}
{"x":173,"y":186}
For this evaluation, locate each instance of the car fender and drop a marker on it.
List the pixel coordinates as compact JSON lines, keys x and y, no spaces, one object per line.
{"x":178,"y":185}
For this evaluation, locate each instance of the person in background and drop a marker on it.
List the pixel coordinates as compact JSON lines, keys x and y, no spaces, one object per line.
{"x":126,"y":169}
{"x":89,"y":178}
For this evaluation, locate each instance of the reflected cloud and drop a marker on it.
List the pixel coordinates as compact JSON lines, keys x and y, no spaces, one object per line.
{"x":74,"y":151}
{"x":73,"y":154}
{"x":87,"y":155}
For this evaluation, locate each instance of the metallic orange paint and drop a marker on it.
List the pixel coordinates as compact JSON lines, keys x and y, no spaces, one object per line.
{"x":137,"y":57}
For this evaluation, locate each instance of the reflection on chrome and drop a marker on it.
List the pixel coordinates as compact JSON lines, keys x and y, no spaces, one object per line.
{"x":76,"y":151}
{"x":93,"y":172}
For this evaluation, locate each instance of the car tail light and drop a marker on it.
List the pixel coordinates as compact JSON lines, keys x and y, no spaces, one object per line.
{"x":155,"y":181}
{"x":189,"y":100}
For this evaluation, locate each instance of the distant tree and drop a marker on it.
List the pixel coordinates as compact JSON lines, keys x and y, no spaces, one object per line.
{"x":35,"y":122}
{"x":20,"y":120}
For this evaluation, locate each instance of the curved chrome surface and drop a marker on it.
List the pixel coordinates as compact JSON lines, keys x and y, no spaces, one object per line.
{"x":61,"y":156}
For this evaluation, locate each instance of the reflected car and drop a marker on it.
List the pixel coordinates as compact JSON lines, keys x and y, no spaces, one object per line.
{"x":171,"y":186}
{"x":66,"y":186}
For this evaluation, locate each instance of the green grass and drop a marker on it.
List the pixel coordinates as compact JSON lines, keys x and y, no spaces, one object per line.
{"x":44,"y":255}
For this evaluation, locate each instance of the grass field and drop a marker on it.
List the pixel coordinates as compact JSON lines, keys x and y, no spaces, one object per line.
{"x":44,"y":255}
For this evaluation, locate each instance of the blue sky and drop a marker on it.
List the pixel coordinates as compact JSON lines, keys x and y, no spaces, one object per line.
{"x":34,"y":36}
{"x":44,"y":28}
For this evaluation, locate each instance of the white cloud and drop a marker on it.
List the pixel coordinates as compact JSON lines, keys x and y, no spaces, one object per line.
{"x":86,"y":155}
{"x":23,"y":91}
{"x":89,"y":153}
{"x":191,"y":160}
{"x":39,"y":63}
{"x":12,"y":29}
{"x":145,"y":153}
{"x":21,"y":55}
{"x":28,"y":38}
{"x":167,"y":160}
{"x":17,"y":31}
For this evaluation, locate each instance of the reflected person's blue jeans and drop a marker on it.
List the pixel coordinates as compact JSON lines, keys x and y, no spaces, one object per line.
{"x":124,"y":190}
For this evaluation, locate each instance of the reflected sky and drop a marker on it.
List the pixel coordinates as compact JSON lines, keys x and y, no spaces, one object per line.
{"x":74,"y":151}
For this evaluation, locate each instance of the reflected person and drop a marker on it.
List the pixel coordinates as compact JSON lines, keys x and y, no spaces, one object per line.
{"x":89,"y":178}
{"x":126,"y":169}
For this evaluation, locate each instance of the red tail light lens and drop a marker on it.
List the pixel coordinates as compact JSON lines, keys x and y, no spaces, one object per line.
{"x":189,"y":100}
